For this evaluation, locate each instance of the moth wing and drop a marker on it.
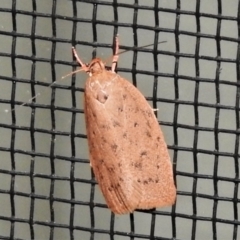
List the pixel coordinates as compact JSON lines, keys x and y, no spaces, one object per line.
{"x":105,"y":151}
{"x":149,"y":162}
{"x":127,"y":149}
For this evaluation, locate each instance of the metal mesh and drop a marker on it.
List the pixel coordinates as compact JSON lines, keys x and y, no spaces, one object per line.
{"x":47,"y":189}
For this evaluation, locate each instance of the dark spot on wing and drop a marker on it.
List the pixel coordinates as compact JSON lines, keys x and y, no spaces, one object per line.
{"x":137,"y":165}
{"x":148,"y":124}
{"x":150,"y":179}
{"x":143,"y":153}
{"x":136,"y":109}
{"x":110,"y":169}
{"x":92,"y":145}
{"x":103,"y":139}
{"x":120,"y":109}
{"x":102,"y":96}
{"x":149,"y":113}
{"x":148,"y":134}
{"x":116,"y":123}
{"x":114,"y":147}
{"x":104,"y":126}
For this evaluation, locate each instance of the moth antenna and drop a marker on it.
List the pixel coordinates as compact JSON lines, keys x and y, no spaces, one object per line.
{"x":144,"y":46}
{"x":71,"y":73}
{"x":124,"y":51}
{"x":83,"y":65}
{"x":30,"y":99}
{"x":38,"y":94}
{"x":115,"y":54}
{"x":83,"y":68}
{"x":23,"y":104}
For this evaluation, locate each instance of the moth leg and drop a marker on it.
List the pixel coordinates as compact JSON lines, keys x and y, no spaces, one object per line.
{"x":83,"y":65}
{"x":115,"y":54}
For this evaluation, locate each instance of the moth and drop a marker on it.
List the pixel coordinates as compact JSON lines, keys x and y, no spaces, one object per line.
{"x":127,"y":149}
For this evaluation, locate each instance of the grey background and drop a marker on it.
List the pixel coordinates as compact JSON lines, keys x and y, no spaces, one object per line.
{"x":207,"y":94}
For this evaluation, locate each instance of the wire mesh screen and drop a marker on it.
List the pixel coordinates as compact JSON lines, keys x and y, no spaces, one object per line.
{"x":47,"y":189}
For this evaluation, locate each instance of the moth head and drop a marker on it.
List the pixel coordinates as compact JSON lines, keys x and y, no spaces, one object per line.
{"x":95,"y":66}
